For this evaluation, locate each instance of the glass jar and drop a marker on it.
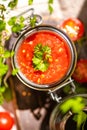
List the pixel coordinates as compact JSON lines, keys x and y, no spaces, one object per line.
{"x":71,"y":52}
{"x":65,"y":121}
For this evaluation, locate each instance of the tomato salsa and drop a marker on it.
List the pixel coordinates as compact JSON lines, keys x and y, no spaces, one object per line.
{"x":58,"y":62}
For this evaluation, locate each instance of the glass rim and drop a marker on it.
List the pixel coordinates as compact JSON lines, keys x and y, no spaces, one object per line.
{"x":70,"y":44}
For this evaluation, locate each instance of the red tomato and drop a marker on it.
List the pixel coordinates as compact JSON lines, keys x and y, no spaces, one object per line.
{"x":80,"y":73}
{"x":6,"y":121}
{"x":73,"y":27}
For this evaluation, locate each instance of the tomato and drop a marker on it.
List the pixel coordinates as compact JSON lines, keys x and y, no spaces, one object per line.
{"x":73,"y":27}
{"x":80,"y":73}
{"x":6,"y":121}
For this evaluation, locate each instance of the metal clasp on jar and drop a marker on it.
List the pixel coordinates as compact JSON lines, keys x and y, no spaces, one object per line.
{"x":58,"y":98}
{"x":28,"y":15}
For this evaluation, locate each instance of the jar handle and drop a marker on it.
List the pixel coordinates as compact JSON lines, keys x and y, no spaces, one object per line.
{"x":55,"y":96}
{"x":28,"y":15}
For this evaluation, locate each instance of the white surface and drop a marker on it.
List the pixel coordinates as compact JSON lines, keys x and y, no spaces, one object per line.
{"x":28,"y":121}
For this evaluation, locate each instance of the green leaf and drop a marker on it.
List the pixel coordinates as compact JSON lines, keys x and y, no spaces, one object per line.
{"x":66,"y":106}
{"x":21,"y":19}
{"x":33,"y":21}
{"x":3,"y":69}
{"x":1,"y":99}
{"x":36,"y":60}
{"x":43,"y":66}
{"x":50,"y":1}
{"x":7,"y":54}
{"x":50,"y":8}
{"x":30,"y":2}
{"x":17,"y":27}
{"x":75,"y":104}
{"x":2,"y":25}
{"x":12,"y":21}
{"x":13,"y":4}
{"x":2,"y":7}
{"x":2,"y":89}
{"x":80,"y":118}
{"x":79,"y":105}
{"x":14,"y":71}
{"x":12,"y":53}
{"x":1,"y":50}
{"x":8,"y":94}
{"x":17,"y":24}
{"x":41,"y":57}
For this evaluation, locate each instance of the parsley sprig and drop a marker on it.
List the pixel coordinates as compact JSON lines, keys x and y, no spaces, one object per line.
{"x":50,"y":6}
{"x":16,"y":24}
{"x":30,"y":2}
{"x":4,"y":54}
{"x":42,"y":53}
{"x":12,"y":4}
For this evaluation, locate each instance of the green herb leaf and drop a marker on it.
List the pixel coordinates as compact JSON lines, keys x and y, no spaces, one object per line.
{"x":1,"y":50}
{"x":17,"y":24}
{"x":12,"y":20}
{"x":33,"y":21}
{"x":1,"y":98}
{"x":43,"y":66}
{"x":2,"y":89}
{"x":17,"y":27}
{"x":36,"y":60}
{"x":3,"y":69}
{"x":50,"y":1}
{"x":41,"y":57}
{"x":14,"y":71}
{"x":13,"y":4}
{"x":7,"y":54}
{"x":8,"y":94}
{"x":2,"y":25}
{"x":50,"y":8}
{"x":66,"y":106}
{"x":80,"y":118}
{"x":79,"y":105}
{"x":2,"y":8}
{"x":30,"y":2}
{"x":12,"y":53}
{"x":74,"y":104}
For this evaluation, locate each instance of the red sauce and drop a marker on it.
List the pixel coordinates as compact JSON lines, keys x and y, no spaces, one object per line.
{"x":59,"y":62}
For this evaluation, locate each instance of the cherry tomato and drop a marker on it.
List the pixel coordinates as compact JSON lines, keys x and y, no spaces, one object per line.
{"x":6,"y":121}
{"x":73,"y":27}
{"x":80,"y":73}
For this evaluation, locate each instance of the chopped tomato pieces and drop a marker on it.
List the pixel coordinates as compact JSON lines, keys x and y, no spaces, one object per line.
{"x":73,"y":27}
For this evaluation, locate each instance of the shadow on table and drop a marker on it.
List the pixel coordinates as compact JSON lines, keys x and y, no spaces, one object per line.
{"x":82,"y":49}
{"x":83,"y":14}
